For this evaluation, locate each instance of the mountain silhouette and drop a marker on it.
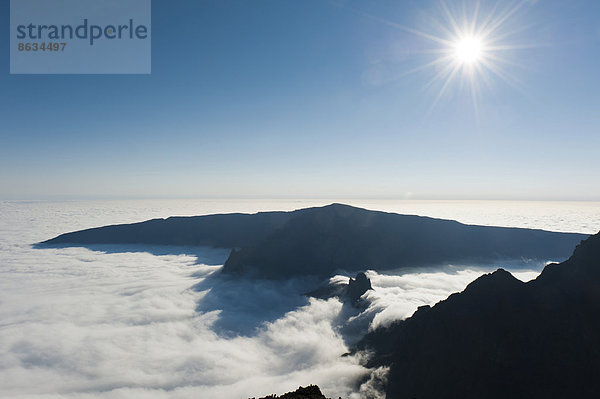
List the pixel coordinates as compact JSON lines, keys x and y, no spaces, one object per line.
{"x":351,"y":291}
{"x":309,"y":392}
{"x":323,"y":240}
{"x":502,"y":338}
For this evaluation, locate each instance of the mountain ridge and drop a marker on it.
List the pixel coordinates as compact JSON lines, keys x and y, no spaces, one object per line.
{"x":323,"y":240}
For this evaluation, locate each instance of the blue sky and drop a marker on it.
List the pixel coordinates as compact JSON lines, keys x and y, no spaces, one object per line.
{"x":313,"y":99}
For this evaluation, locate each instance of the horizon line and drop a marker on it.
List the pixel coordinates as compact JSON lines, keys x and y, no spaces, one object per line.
{"x":333,"y":199}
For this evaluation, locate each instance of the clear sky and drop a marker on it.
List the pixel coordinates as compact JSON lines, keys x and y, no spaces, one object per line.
{"x":319,"y":98}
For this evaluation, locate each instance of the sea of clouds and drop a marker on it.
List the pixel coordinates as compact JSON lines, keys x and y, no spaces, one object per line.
{"x":161,"y":322}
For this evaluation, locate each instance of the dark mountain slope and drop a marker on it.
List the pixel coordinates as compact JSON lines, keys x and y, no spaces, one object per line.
{"x":320,"y":241}
{"x":223,"y":231}
{"x":501,"y":338}
{"x":335,"y":237}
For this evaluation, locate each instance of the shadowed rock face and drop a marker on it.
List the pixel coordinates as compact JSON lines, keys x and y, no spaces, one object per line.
{"x":358,"y":286}
{"x":351,"y":291}
{"x":310,"y":392}
{"x":502,"y":338}
{"x":321,"y":241}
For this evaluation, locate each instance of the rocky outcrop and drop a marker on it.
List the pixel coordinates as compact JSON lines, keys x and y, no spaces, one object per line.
{"x":358,"y":286}
{"x":351,"y":291}
{"x":310,"y":392}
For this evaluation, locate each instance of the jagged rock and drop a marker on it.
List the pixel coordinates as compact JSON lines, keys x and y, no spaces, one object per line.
{"x":309,"y":392}
{"x":357,"y":287}
{"x":502,"y":338}
{"x":351,"y":291}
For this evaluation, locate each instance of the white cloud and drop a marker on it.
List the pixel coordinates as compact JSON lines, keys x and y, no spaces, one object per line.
{"x":77,"y":323}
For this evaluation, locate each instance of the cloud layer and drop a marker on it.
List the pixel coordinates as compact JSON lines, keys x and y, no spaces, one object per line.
{"x":111,"y":324}
{"x":81,"y":323}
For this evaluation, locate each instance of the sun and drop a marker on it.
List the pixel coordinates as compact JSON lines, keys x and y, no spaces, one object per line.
{"x":468,"y":50}
{"x":468,"y":47}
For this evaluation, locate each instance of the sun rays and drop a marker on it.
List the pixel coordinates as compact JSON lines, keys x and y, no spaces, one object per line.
{"x":472,"y":48}
{"x":466,"y":47}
